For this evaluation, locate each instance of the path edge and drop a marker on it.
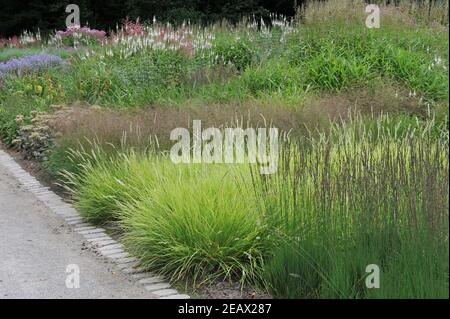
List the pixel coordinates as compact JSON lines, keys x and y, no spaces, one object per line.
{"x":96,"y":236}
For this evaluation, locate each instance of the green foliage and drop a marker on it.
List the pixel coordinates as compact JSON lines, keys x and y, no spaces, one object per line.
{"x":309,"y":231}
{"x":237,"y":52}
{"x":362,"y":195}
{"x":369,"y":191}
{"x":96,"y":184}
{"x":188,"y":223}
{"x":244,"y":62}
{"x":332,"y":59}
{"x":275,"y":76}
{"x":59,"y":160}
{"x":13,"y":105}
{"x":138,"y":80}
{"x":193,"y":225}
{"x":9,"y":53}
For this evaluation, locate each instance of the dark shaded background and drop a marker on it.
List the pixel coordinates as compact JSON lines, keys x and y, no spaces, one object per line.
{"x":48,"y":15}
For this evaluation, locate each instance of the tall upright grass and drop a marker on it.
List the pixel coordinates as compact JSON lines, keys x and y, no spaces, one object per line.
{"x":424,"y":12}
{"x":358,"y":196}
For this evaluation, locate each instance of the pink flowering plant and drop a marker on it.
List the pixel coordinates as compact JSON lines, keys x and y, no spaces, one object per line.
{"x":26,"y":39}
{"x":10,"y":42}
{"x":79,"y":36}
{"x":132,"y":27}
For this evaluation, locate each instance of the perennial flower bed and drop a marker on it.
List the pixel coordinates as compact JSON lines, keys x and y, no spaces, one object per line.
{"x":348,"y":191}
{"x":28,"y":64}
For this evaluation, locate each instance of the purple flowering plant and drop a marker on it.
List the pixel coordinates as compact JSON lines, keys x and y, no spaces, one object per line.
{"x":29,"y":64}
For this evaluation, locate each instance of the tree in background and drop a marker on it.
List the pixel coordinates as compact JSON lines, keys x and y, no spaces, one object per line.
{"x":48,"y":15}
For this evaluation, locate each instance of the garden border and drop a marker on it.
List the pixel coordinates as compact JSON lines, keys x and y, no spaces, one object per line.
{"x":95,"y":236}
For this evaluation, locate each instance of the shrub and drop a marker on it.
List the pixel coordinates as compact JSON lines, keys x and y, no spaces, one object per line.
{"x":12,"y":106}
{"x":35,"y":139}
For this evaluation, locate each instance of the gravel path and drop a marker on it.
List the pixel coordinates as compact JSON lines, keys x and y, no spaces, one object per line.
{"x":36,"y":246}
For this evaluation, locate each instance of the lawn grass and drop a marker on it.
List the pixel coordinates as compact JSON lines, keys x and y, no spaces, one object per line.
{"x":9,"y":53}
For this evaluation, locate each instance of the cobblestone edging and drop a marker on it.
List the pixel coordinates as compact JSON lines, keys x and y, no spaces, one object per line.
{"x":95,"y":236}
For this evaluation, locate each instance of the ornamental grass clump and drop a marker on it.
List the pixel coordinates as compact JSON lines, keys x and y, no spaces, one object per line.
{"x":195,"y":224}
{"x":367,"y":192}
{"x":360,"y":196}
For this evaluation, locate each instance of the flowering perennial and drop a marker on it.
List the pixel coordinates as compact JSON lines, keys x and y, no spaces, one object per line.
{"x":29,"y":63}
{"x":81,"y":30}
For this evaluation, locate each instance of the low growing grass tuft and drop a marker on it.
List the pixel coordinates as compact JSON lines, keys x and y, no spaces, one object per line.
{"x":188,"y":223}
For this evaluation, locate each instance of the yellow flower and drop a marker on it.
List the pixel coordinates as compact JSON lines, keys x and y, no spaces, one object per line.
{"x":38,"y":89}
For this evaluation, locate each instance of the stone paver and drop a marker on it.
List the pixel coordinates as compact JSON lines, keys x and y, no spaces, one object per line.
{"x":156,"y":287}
{"x":49,"y":248}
